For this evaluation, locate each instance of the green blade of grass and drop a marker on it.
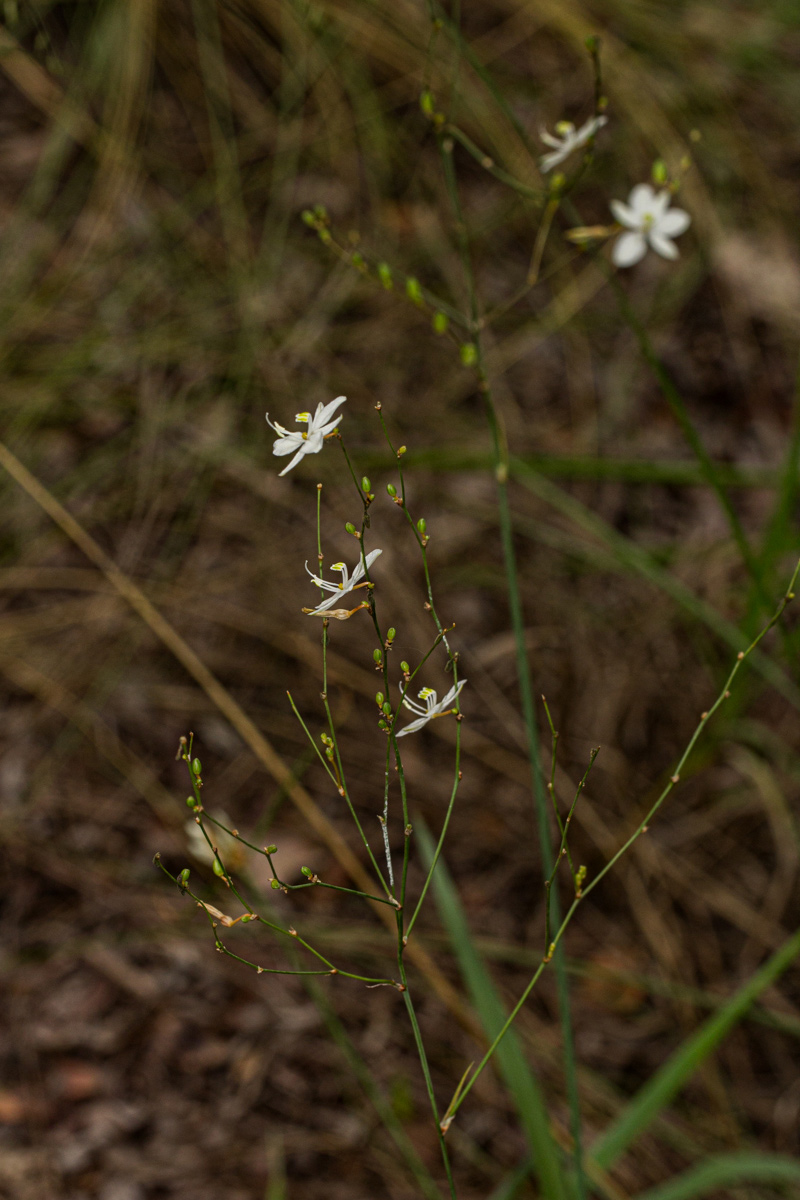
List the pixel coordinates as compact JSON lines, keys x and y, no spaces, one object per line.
{"x":660,"y":1089}
{"x":726,"y":1171}
{"x":511,"y":1061}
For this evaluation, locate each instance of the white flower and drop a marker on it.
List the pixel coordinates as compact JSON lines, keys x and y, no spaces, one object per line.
{"x":651,"y":222}
{"x":347,"y":583}
{"x":432,"y":708}
{"x":310,"y":441}
{"x":569,"y":139}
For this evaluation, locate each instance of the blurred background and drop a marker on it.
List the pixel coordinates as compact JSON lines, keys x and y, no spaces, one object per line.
{"x":160,"y":293}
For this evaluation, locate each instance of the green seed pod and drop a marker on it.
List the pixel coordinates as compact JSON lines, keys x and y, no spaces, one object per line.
{"x":426,"y":103}
{"x":191,"y":802}
{"x":183,"y":878}
{"x":377,"y":655}
{"x":387,"y":708}
{"x":308,"y":217}
{"x":350,"y":527}
{"x":440,"y":322}
{"x":271,"y":849}
{"x":219,"y":869}
{"x":469,"y":354}
{"x":275,"y":885}
{"x":197,"y":767}
{"x":379,"y":698}
{"x":404,"y":667}
{"x":391,"y":635}
{"x":385,"y":275}
{"x":421,"y":526}
{"x":659,"y":172}
{"x":365,"y":484}
{"x":382,"y":724}
{"x":391,"y":489}
{"x":306,"y":871}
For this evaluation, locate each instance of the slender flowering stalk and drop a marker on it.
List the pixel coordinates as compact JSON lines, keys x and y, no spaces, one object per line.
{"x":431,"y":708}
{"x":308,"y":441}
{"x":347,"y":583}
{"x":650,"y":222}
{"x":568,"y":140}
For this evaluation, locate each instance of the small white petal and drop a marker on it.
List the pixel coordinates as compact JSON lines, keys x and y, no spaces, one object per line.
{"x":626,"y":216}
{"x":288,"y":444}
{"x":293,"y":462}
{"x":549,"y":140}
{"x":548,"y":161}
{"x":324,"y":414}
{"x":662,"y":245}
{"x":629,"y":248}
{"x":642,"y":199}
{"x":674,"y":223}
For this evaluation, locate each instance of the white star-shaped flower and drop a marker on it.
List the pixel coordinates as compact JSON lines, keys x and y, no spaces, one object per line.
{"x":346,"y":584}
{"x":569,"y":139}
{"x":431,"y":708}
{"x":308,"y":441}
{"x":650,"y":222}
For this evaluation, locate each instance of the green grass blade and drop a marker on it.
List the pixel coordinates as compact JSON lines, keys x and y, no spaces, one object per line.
{"x":511,"y":1061}
{"x":726,"y":1171}
{"x":660,"y":1089}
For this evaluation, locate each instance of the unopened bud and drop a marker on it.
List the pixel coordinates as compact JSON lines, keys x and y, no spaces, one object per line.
{"x":197,"y":767}
{"x":350,"y":527}
{"x":306,"y":871}
{"x":190,"y":800}
{"x":440,"y":322}
{"x":377,"y":655}
{"x":308,"y":217}
{"x":391,"y":489}
{"x":385,"y":275}
{"x":469,"y":354}
{"x":391,"y":635}
{"x":183,"y":878}
{"x":401,"y":451}
{"x":421,"y":526}
{"x":379,"y":698}
{"x":275,"y":885}
{"x":426,"y":103}
{"x":404,"y":667}
{"x":382,"y":724}
{"x":387,"y":708}
{"x":365,"y":484}
{"x":271,"y":849}
{"x":414,"y":291}
{"x":219,"y":870}
{"x":659,"y":172}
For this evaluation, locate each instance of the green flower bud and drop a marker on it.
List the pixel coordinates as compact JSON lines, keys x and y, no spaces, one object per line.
{"x":469,"y":354}
{"x":197,"y":767}
{"x":271,"y":849}
{"x":190,"y":800}
{"x":365,"y":484}
{"x":382,"y":724}
{"x":426,"y":103}
{"x":308,"y":217}
{"x":404,"y":667}
{"x":659,"y":172}
{"x":385,"y":275}
{"x":387,"y":708}
{"x":391,"y":635}
{"x":421,"y":526}
{"x":401,"y":451}
{"x":377,"y":655}
{"x":275,"y":885}
{"x":350,"y":527}
{"x":379,"y":698}
{"x":247,"y":917}
{"x":219,"y":869}
{"x":306,"y":871}
{"x":183,"y":878}
{"x":414,"y":291}
{"x":440,"y":322}
{"x":391,"y":489}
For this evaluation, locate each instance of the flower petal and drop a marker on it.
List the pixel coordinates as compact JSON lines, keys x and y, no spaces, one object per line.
{"x":413,"y":727}
{"x":662,"y":244}
{"x":324,"y":414}
{"x":674,"y":223}
{"x":642,"y":199}
{"x":549,"y":140}
{"x":288,"y":444}
{"x":294,"y":461}
{"x":629,"y":248}
{"x":626,"y":216}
